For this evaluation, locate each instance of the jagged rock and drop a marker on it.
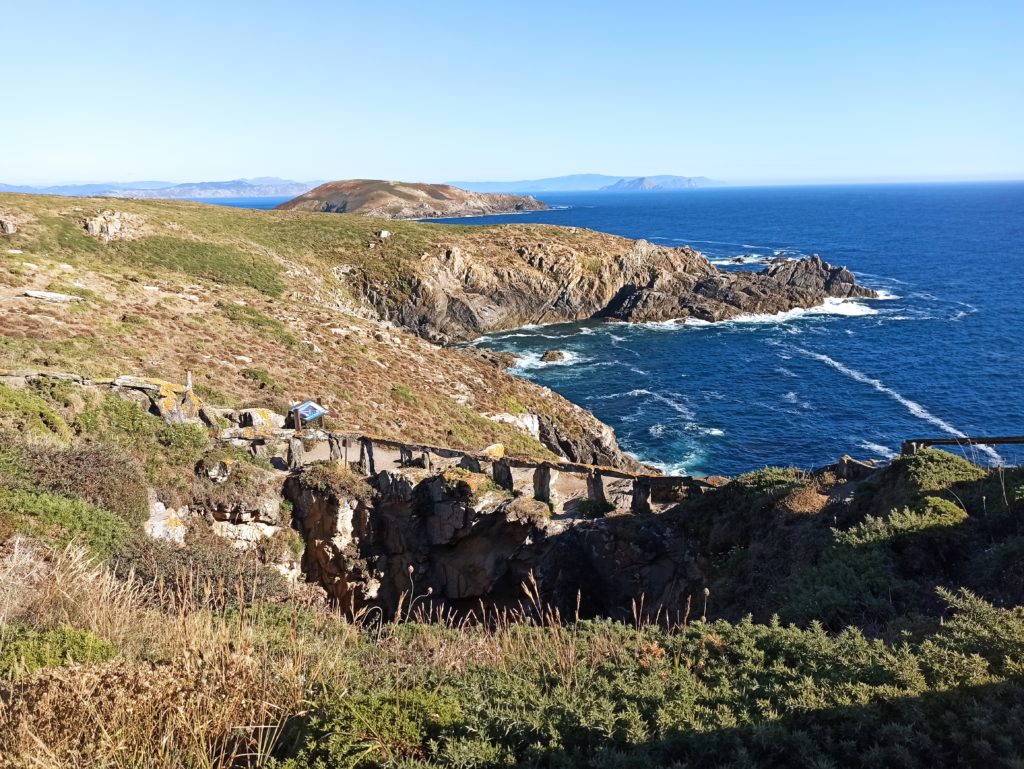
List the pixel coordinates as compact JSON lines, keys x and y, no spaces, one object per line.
{"x":217,"y":470}
{"x":527,"y":422}
{"x":115,"y":225}
{"x":172,"y":402}
{"x":246,"y":494}
{"x":592,"y":445}
{"x":457,"y":538}
{"x":460,"y":294}
{"x":552,"y":356}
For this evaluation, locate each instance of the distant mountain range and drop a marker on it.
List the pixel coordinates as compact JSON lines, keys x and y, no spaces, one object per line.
{"x":592,"y":183}
{"x":272,"y":186}
{"x":259,"y":187}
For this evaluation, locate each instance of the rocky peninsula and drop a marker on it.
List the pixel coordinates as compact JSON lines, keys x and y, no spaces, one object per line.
{"x":404,"y":200}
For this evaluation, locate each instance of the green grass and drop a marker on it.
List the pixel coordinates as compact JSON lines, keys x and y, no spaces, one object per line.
{"x":253,"y":318}
{"x":211,"y":261}
{"x":64,"y":520}
{"x":24,"y":411}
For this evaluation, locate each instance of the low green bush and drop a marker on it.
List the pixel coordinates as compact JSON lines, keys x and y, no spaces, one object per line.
{"x":26,"y":412}
{"x":64,"y":520}
{"x":24,"y":649}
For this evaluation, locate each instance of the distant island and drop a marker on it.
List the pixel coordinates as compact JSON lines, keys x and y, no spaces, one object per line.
{"x":259,"y":187}
{"x":593,"y":183}
{"x":405,"y":200}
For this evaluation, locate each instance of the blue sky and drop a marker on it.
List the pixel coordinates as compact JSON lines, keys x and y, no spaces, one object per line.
{"x":738,"y":91}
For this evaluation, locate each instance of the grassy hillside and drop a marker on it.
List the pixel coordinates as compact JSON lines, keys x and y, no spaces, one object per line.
{"x":259,"y":306}
{"x":871,"y":624}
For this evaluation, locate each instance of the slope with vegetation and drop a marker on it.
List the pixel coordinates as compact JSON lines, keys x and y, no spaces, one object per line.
{"x":824,"y":622}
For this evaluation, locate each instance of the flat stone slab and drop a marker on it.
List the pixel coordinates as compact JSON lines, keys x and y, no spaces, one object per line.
{"x":52,"y":296}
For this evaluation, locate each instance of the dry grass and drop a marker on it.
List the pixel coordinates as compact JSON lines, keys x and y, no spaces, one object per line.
{"x":192,"y":686}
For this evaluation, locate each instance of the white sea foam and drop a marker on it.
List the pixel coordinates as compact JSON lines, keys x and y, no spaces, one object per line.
{"x":831,"y":306}
{"x":913,"y":407}
{"x":532,"y":360}
{"x":885,"y":296}
{"x":877,"y":448}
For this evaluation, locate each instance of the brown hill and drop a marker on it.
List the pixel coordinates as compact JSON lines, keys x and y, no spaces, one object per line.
{"x":403,"y":200}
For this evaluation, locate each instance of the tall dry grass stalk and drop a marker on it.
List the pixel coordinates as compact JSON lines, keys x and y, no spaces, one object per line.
{"x":193,"y":686}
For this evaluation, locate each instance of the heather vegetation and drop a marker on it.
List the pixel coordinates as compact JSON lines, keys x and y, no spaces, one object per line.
{"x":832,"y":633}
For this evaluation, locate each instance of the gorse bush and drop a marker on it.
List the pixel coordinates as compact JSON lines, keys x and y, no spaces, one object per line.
{"x":719,"y":694}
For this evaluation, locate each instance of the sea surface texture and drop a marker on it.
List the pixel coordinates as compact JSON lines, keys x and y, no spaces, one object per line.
{"x":942,"y":355}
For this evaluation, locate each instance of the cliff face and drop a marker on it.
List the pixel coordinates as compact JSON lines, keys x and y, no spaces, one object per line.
{"x":507,"y":277}
{"x":401,"y":200}
{"x":454,"y":539}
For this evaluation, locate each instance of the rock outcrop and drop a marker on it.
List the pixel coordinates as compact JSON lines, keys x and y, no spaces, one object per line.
{"x":115,"y":225}
{"x":455,"y":539}
{"x":402,"y":200}
{"x":503,"y":278}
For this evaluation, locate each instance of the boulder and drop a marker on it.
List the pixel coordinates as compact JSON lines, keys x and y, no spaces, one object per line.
{"x":552,"y":356}
{"x":8,"y":227}
{"x":261,"y":418}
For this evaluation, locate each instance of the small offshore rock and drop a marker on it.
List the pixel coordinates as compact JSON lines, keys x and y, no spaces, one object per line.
{"x":552,"y":356}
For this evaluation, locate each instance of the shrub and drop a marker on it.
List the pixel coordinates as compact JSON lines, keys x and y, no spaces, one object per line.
{"x":23,"y":411}
{"x":24,"y":649}
{"x":102,"y":475}
{"x":404,"y":394}
{"x":119,"y":421}
{"x":51,"y":516}
{"x":207,"y":571}
{"x":184,"y":444}
{"x":329,"y":478}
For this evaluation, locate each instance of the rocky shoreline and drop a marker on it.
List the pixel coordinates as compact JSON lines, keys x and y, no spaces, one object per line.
{"x":463,"y":293}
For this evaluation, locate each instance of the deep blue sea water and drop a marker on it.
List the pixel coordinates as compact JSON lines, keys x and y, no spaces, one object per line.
{"x":944,"y":355}
{"x":260,"y":203}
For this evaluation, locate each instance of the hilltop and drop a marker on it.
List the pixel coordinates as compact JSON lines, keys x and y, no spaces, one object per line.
{"x":404,"y":200}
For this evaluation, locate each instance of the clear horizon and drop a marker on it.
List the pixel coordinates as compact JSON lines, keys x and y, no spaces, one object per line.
{"x":794,"y":93}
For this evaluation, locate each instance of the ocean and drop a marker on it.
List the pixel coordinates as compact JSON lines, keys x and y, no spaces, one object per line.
{"x":941,"y":355}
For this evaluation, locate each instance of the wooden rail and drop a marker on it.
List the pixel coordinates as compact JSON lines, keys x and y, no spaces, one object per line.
{"x":914,"y":445}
